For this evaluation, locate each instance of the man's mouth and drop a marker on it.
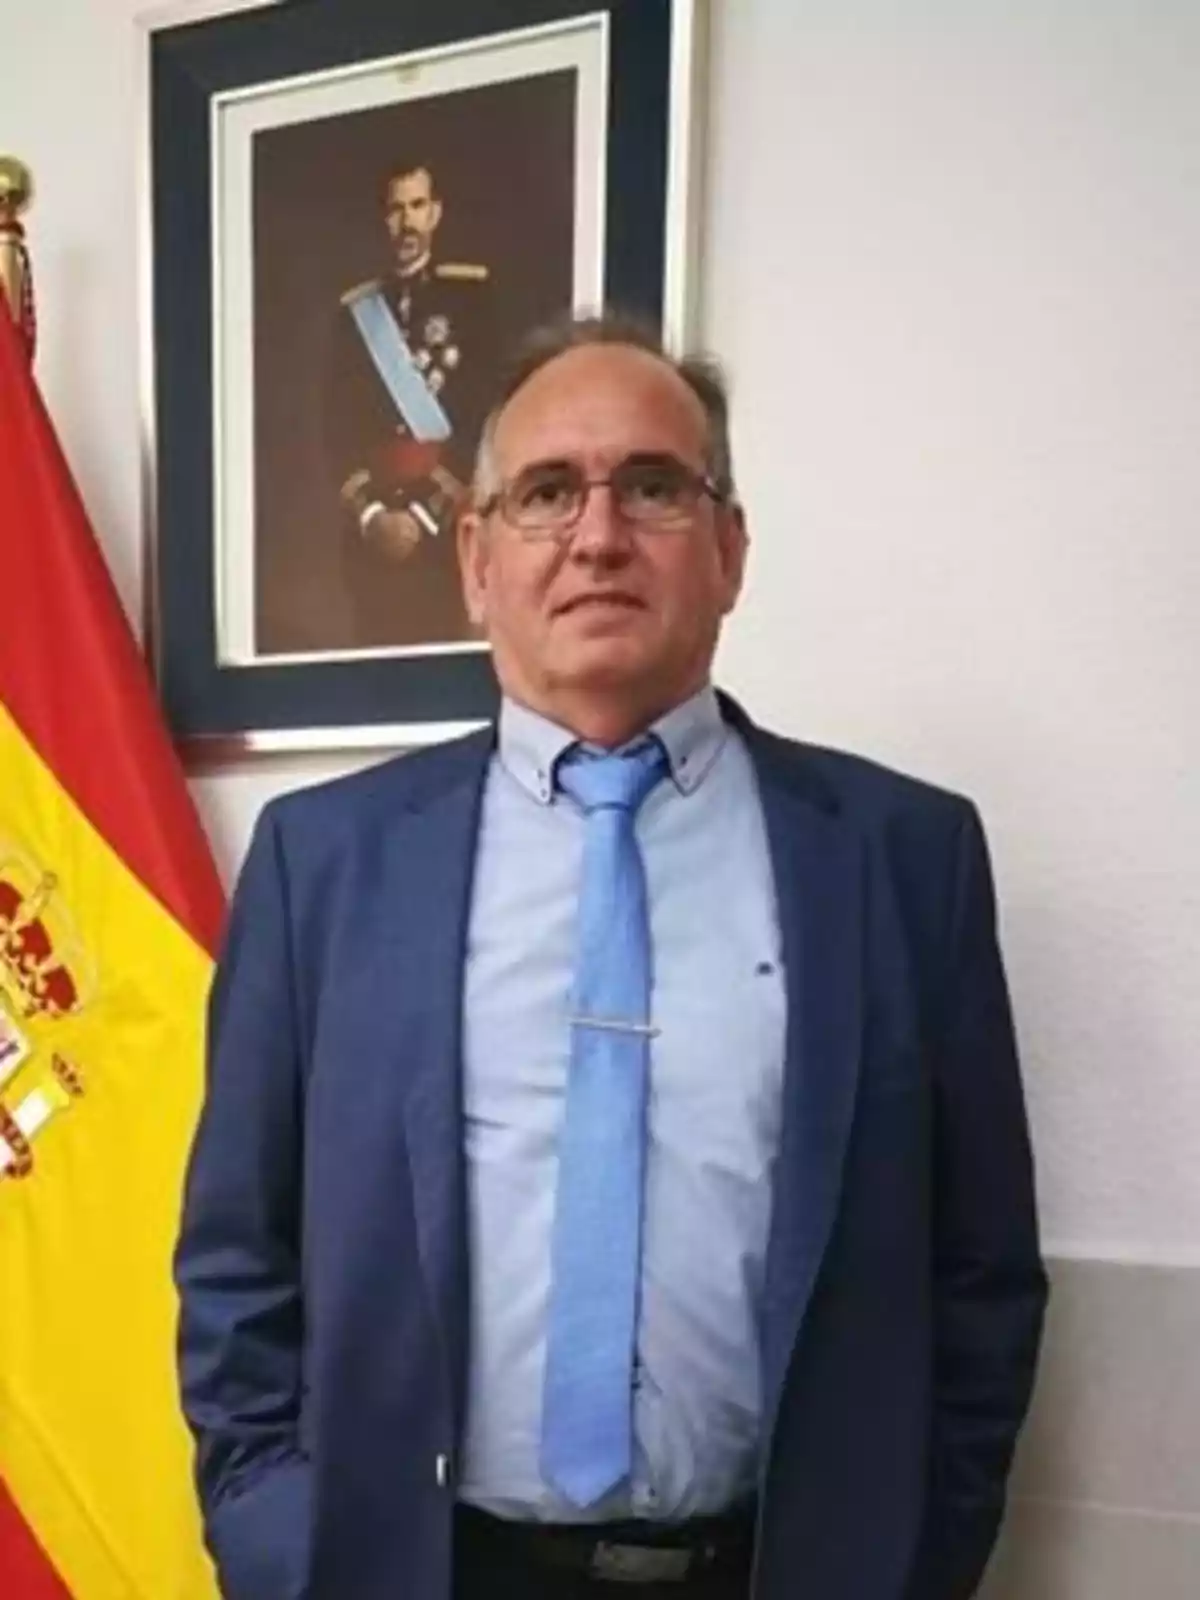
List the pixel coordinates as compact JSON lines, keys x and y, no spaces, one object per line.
{"x":606,"y":600}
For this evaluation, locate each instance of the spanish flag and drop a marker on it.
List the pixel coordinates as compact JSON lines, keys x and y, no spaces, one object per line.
{"x":110,"y":910}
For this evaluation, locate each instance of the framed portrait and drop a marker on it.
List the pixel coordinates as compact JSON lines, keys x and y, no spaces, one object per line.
{"x":353,"y":212}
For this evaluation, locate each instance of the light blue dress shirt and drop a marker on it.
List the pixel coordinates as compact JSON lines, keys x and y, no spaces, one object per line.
{"x":716,"y":1068}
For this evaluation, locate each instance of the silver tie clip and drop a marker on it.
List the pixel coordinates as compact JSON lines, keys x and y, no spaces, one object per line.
{"x":616,"y":1025}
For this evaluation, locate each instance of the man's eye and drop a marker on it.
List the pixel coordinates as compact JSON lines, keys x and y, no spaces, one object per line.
{"x":545,"y":494}
{"x":652,"y":485}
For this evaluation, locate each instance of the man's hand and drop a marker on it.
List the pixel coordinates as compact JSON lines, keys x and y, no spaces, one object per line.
{"x":395,"y":533}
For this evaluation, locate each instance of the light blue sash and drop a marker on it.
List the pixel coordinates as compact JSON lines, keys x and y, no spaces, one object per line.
{"x":402,"y":378}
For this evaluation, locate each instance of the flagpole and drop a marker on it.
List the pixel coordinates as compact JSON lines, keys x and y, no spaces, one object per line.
{"x":16,"y":274}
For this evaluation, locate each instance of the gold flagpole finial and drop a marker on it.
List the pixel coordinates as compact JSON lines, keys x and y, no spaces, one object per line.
{"x":16,"y":276}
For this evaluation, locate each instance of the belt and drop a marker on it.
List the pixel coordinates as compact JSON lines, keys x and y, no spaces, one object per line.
{"x":617,"y":1552}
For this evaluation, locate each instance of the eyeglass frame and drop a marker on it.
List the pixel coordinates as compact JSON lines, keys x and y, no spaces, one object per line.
{"x":703,"y":482}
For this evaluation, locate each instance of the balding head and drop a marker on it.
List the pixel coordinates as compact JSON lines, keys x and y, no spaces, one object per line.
{"x":702,"y":376}
{"x":606,"y":616}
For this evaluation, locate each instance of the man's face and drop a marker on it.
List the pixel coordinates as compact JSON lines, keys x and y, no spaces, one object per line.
{"x":412,"y":213}
{"x":615,"y":622}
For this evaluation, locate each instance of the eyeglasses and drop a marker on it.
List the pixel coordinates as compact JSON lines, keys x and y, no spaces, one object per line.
{"x":650,"y":491}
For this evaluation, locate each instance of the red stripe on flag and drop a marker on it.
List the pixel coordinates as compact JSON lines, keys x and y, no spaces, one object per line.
{"x":71,"y":674}
{"x":25,"y":1570}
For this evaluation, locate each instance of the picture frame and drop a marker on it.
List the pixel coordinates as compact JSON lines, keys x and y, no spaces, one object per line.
{"x":531,"y":157}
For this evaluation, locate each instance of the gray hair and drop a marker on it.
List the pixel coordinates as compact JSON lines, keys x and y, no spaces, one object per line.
{"x":546,"y":343}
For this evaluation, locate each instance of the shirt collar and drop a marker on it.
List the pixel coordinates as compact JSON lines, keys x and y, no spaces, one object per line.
{"x":529,"y":745}
{"x":691,"y":734}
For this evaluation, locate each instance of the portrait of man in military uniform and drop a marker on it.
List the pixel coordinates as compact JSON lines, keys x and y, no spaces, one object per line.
{"x":417,"y":350}
{"x":400,"y":251}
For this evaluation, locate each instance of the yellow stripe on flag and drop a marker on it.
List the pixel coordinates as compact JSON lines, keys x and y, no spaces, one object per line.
{"x":92,"y":1443}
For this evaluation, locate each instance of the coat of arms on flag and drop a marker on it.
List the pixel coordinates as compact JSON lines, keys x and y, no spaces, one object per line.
{"x":46,"y":978}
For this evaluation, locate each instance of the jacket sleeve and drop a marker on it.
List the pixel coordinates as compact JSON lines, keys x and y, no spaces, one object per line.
{"x":989,"y":1283}
{"x":237,"y":1261}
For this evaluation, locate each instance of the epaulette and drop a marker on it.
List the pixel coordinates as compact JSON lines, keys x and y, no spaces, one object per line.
{"x":368,"y":286}
{"x":461,"y":271}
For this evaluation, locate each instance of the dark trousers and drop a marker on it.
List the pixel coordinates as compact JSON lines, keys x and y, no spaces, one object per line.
{"x":488,"y":1566}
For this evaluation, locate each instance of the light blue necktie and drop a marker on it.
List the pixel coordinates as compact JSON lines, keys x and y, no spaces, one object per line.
{"x":587,"y":1417}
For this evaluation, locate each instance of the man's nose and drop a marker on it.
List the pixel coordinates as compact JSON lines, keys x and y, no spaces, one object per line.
{"x":602,"y":533}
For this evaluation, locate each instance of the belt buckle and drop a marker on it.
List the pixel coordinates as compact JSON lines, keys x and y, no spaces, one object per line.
{"x":636,"y":1563}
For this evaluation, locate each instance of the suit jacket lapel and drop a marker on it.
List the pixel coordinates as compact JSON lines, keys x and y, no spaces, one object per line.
{"x":429,"y":860}
{"x":817,"y":859}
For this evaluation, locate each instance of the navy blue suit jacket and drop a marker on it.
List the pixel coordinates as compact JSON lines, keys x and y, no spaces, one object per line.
{"x":323,"y":1262}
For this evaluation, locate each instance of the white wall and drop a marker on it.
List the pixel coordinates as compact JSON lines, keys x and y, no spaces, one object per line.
{"x":954,"y":258}
{"x":953,"y":264}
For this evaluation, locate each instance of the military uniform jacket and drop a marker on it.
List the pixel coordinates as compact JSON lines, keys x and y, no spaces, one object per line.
{"x":445,"y":316}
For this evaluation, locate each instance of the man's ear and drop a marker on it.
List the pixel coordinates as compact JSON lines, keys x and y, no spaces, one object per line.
{"x":734,"y":543}
{"x":471,"y":538}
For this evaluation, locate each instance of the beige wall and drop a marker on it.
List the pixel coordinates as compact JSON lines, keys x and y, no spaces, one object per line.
{"x":951,"y":259}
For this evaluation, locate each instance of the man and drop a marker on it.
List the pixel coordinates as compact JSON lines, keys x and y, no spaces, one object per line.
{"x":412,"y":369}
{"x":614,"y":1177}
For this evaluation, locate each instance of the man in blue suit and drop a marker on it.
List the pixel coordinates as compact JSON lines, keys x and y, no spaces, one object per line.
{"x":614,"y":1176}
